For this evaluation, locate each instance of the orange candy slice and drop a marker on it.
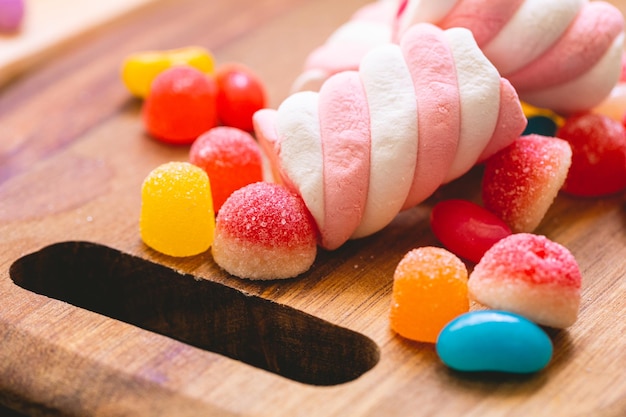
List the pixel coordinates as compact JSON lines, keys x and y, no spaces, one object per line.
{"x":429,"y":290}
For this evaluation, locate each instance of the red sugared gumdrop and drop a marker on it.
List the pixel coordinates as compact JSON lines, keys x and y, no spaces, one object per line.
{"x":521,"y":181}
{"x":264,"y":231}
{"x":181,"y":105}
{"x":598,"y":155}
{"x":230,"y":157}
{"x":465,"y":228}
{"x":529,"y":275}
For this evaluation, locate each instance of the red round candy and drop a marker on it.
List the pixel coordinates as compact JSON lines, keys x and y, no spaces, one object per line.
{"x":181,"y":105}
{"x":230,"y":157}
{"x":240,"y":94}
{"x":598,"y":155}
{"x":466,"y":229}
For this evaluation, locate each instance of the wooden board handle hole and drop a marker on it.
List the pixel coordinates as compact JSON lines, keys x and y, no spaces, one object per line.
{"x":201,"y":313}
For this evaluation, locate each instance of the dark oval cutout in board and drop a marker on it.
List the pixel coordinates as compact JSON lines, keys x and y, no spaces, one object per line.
{"x":198,"y":312}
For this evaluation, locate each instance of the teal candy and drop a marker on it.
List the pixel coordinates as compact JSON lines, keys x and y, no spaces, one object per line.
{"x":494,"y":341}
{"x":540,"y":125}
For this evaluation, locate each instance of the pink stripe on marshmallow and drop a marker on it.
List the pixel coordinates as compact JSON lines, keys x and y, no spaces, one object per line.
{"x":597,"y":25}
{"x":438,"y":104}
{"x":485,"y":18}
{"x":345,"y":132}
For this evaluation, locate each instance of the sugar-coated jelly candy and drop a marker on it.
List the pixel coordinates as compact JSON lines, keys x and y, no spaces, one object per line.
{"x":240,"y":94}
{"x":521,"y":181}
{"x":177,"y":216}
{"x":598,"y":155}
{"x":181,"y":105}
{"x":494,"y":341}
{"x":429,"y":290}
{"x":231,"y":158}
{"x":465,"y":228}
{"x":530,"y":275}
{"x":140,"y":69}
{"x":264,"y":231}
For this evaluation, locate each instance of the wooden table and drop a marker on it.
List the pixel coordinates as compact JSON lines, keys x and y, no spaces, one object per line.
{"x":73,"y":154}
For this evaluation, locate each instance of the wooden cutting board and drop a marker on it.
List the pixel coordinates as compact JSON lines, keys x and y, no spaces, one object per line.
{"x":50,"y":25}
{"x":150,"y":340}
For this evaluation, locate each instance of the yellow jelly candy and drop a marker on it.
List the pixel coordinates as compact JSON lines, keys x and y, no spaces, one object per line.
{"x":532,"y":111}
{"x":141,"y":68}
{"x":177,"y":216}
{"x":429,"y":290}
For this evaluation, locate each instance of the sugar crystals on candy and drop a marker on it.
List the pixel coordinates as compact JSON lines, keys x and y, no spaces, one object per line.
{"x":598,"y":155}
{"x":264,"y":231}
{"x":530,"y":275}
{"x":521,"y":181}
{"x":177,"y":216}
{"x":230,"y":157}
{"x":429,"y":290}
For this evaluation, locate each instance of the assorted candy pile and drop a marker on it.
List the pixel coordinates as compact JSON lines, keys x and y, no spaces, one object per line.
{"x":343,"y":161}
{"x":185,"y":95}
{"x":218,"y":199}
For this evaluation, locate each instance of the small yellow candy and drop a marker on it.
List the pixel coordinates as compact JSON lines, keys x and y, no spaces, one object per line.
{"x":141,"y":68}
{"x":532,"y":111}
{"x":177,"y":216}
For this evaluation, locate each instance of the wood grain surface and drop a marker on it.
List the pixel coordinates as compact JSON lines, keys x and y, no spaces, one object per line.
{"x":73,"y":154}
{"x":50,"y":26}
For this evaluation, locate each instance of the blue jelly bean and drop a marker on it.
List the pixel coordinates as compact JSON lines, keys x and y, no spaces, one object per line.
{"x":494,"y":341}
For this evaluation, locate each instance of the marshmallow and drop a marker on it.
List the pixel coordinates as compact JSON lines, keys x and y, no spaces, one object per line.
{"x":374,"y":142}
{"x":369,"y":27}
{"x":345,"y":133}
{"x":393,"y":124}
{"x":298,"y":130}
{"x":564,"y":55}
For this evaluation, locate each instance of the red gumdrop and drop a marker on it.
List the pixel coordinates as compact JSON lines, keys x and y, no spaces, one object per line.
{"x":598,"y":155}
{"x":240,"y":94}
{"x":181,"y":105}
{"x":268,"y":214}
{"x":230,"y":157}
{"x":466,"y":229}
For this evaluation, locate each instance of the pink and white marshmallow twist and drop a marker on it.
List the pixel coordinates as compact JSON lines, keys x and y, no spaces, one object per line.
{"x":382,"y":139}
{"x":563,"y":55}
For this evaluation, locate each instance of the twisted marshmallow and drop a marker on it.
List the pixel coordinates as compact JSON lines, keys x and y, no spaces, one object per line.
{"x":369,"y":27}
{"x":374,"y":142}
{"x":564,"y":55}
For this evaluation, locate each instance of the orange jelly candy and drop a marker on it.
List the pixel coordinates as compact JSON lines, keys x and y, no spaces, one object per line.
{"x":429,"y":290}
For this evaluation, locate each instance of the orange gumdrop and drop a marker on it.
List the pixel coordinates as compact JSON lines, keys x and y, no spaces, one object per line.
{"x":429,"y":290}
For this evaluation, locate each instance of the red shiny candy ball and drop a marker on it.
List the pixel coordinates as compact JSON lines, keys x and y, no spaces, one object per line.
{"x":240,"y":94}
{"x":181,"y":105}
{"x":598,"y":155}
{"x":466,"y":229}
